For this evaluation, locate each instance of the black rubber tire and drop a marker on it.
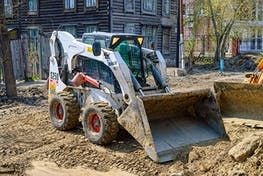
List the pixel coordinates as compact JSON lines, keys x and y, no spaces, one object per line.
{"x":108,"y":123}
{"x":71,"y":111}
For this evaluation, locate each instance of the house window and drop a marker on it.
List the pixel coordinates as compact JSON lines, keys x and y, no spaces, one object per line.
{"x":91,"y":3}
{"x":149,"y":6}
{"x":256,"y":40}
{"x":129,"y":28}
{"x":91,"y":28}
{"x":8,"y":5}
{"x":253,"y":40}
{"x":32,"y":6}
{"x":166,"y":7}
{"x":129,"y":5}
{"x":69,"y":4}
{"x":71,"y":29}
{"x":150,"y":35}
{"x":166,"y":40}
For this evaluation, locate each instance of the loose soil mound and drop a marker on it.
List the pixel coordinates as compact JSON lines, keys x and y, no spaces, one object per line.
{"x":27,"y":135}
{"x":246,"y":62}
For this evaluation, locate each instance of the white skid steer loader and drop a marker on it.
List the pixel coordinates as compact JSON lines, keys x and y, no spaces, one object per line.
{"x":109,"y":80}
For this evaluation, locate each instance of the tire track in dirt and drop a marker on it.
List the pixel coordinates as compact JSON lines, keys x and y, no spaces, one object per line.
{"x":26,"y":134}
{"x":30,"y":136}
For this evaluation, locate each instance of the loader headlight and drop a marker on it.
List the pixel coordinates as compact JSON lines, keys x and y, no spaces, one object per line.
{"x":140,"y":40}
{"x":115,"y":40}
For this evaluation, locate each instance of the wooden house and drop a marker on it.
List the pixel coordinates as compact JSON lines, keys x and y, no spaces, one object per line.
{"x":155,"y":19}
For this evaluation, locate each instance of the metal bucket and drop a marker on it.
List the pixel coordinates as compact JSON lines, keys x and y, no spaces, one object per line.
{"x":240,"y":100}
{"x":174,"y":122}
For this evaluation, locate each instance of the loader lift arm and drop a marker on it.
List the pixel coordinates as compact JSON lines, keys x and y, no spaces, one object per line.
{"x":81,"y":78}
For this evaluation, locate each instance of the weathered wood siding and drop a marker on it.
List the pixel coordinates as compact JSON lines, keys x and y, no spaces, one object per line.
{"x":110,"y":16}
{"x":45,"y":54}
{"x":26,"y":65}
{"x":18,"y":64}
{"x":51,"y":15}
{"x":139,"y":18}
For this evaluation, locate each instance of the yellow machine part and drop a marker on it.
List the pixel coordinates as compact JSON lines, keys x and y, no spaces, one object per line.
{"x":240,"y":100}
{"x":257,"y":76}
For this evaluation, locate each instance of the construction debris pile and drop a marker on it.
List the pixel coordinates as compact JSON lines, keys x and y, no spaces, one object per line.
{"x":242,"y":63}
{"x":250,"y":146}
{"x":35,"y":93}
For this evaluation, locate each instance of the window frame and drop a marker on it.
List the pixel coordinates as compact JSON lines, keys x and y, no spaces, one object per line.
{"x":127,"y":9}
{"x":31,"y":39}
{"x":71,"y":25}
{"x":128,"y":25}
{"x":10,"y":10}
{"x":164,"y":51}
{"x":29,"y":12}
{"x":145,"y":11}
{"x":154,"y":35}
{"x":89,"y":25}
{"x":163,"y":9}
{"x":91,"y":7}
{"x":70,"y":9}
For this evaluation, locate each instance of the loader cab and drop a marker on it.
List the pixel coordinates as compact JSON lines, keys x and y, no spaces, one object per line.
{"x":128,"y":45}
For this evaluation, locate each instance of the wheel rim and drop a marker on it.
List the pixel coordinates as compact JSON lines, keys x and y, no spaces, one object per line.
{"x":59,"y":111}
{"x":94,"y":121}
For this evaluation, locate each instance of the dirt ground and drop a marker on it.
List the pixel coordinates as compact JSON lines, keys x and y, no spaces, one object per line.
{"x":29,"y":145}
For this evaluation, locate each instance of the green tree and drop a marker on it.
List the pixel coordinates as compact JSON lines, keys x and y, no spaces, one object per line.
{"x":224,"y":15}
{"x":196,"y":20}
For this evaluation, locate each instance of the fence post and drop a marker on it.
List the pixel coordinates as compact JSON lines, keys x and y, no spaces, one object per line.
{"x":39,"y":50}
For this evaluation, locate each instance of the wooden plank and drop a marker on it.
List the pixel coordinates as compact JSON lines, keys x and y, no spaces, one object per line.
{"x":245,"y":122}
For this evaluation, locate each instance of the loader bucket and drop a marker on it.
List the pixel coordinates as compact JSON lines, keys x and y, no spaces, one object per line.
{"x":240,"y":100}
{"x":175,"y":122}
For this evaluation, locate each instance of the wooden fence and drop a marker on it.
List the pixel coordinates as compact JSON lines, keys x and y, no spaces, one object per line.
{"x":28,"y":63}
{"x":1,"y":72}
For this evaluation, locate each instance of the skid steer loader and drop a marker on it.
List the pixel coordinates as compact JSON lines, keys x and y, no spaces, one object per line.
{"x":110,"y":80}
{"x":242,"y":100}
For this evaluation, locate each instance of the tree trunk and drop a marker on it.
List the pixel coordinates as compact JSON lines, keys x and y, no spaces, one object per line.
{"x":217,"y":53}
{"x":9,"y":77}
{"x":221,"y":43}
{"x":10,"y":81}
{"x":220,"y":52}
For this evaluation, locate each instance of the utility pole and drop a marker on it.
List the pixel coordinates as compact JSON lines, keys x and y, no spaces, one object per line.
{"x":5,"y":49}
{"x":180,"y":41}
{"x":181,"y":35}
{"x":177,"y":63}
